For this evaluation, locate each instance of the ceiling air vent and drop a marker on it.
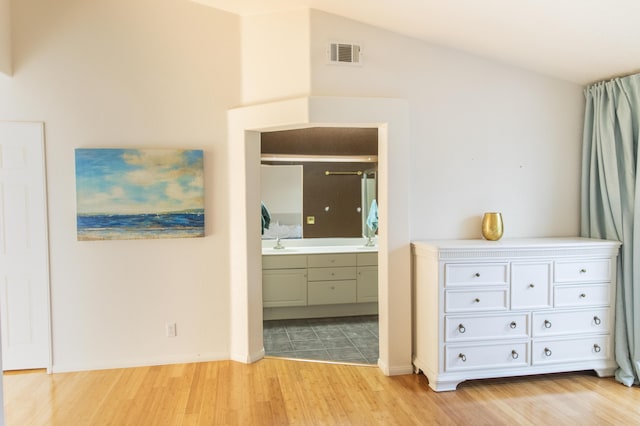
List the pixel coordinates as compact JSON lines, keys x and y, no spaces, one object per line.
{"x":344,"y":53}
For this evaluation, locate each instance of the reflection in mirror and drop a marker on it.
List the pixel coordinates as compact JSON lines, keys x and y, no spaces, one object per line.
{"x":281,"y":187}
{"x":369,"y":206}
{"x":333,"y":192}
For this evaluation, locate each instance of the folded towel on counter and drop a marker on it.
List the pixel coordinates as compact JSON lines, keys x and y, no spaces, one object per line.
{"x":266,"y":217}
{"x":372,"y":217}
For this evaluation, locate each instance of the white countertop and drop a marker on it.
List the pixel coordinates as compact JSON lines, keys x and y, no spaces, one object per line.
{"x":318,"y":250}
{"x":318,"y":246}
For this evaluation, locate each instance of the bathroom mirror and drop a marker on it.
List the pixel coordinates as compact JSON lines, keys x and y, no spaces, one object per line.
{"x":319,"y":182}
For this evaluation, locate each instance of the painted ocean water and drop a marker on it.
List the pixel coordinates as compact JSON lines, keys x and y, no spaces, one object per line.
{"x":188,"y":224}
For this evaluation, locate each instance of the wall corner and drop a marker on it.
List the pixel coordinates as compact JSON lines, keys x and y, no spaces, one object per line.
{"x":6,"y":65}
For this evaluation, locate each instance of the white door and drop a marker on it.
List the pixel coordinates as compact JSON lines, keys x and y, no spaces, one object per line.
{"x":24,"y":260}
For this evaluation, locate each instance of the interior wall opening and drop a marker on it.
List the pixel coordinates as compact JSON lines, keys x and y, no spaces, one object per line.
{"x":319,"y":244}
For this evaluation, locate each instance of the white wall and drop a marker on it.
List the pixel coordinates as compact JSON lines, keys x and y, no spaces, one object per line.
{"x":485,"y":136}
{"x":163,"y":74}
{"x":275,"y":56}
{"x":5,"y":38}
{"x":130,"y":74}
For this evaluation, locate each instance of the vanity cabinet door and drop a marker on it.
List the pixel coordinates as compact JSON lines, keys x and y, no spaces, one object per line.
{"x":367,"y":283}
{"x":284,"y":287}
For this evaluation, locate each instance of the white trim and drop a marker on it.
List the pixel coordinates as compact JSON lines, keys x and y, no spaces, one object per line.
{"x":168,"y":360}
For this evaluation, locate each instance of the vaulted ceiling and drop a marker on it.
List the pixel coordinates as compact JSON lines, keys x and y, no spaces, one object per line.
{"x":581,"y":41}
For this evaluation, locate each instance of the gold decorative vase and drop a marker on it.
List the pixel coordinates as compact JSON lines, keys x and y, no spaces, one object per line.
{"x":492,"y":227}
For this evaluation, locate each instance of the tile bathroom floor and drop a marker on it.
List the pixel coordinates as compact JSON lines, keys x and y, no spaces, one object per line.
{"x":341,"y":339}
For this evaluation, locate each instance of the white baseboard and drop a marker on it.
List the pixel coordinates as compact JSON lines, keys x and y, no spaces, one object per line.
{"x":108,"y":365}
{"x":397,"y":370}
{"x":248,"y":359}
{"x":320,"y":311}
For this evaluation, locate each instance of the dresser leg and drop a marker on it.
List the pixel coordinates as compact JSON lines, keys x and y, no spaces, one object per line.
{"x":444,"y":385}
{"x":605,"y":372}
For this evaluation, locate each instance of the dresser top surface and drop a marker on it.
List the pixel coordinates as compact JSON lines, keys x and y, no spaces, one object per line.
{"x":513,"y":243}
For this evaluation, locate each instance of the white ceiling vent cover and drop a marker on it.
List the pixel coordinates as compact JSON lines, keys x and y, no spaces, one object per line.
{"x":344,"y":53}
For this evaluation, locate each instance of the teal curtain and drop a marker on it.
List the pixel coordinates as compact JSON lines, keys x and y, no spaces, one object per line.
{"x":611,"y":201}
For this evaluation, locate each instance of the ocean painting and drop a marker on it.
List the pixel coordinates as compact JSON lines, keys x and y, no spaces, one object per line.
{"x":139,"y":193}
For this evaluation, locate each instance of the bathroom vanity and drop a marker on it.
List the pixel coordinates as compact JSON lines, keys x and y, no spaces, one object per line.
{"x":487,"y":309}
{"x":319,"y":281}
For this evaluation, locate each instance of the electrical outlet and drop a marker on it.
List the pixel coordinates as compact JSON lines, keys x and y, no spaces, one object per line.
{"x":171,"y":329}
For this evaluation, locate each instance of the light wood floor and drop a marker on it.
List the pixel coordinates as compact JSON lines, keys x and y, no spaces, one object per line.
{"x":282,"y":392}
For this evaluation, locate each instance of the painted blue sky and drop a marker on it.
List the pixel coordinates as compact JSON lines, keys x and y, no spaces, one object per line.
{"x":133,"y":181}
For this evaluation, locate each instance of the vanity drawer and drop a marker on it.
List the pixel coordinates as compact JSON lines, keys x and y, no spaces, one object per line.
{"x":583,"y":271}
{"x":284,"y":261}
{"x":458,"y":274}
{"x":367,"y":259}
{"x":493,"y":355}
{"x":570,"y":322}
{"x":332,"y":292}
{"x":332,"y":274}
{"x":505,"y":326}
{"x":475,"y":300}
{"x":332,"y":260}
{"x":583,"y":295}
{"x":585,"y":349}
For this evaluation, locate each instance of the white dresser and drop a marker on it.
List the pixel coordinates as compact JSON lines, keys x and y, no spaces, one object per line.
{"x":516,"y":307}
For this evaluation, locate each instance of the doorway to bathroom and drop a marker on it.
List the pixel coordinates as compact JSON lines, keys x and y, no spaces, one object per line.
{"x":319,"y":225}
{"x":391,"y":119}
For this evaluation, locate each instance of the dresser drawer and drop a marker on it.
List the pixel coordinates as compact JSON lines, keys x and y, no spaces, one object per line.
{"x":284,"y":261}
{"x":461,"y":328}
{"x":458,"y":274}
{"x":583,"y":295}
{"x":530,"y":285}
{"x":495,"y":355}
{"x":583,"y":271}
{"x":570,"y":322}
{"x":332,"y":260}
{"x":475,"y":300}
{"x":332,"y":274}
{"x":567,"y":350}
{"x":331,"y":292}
